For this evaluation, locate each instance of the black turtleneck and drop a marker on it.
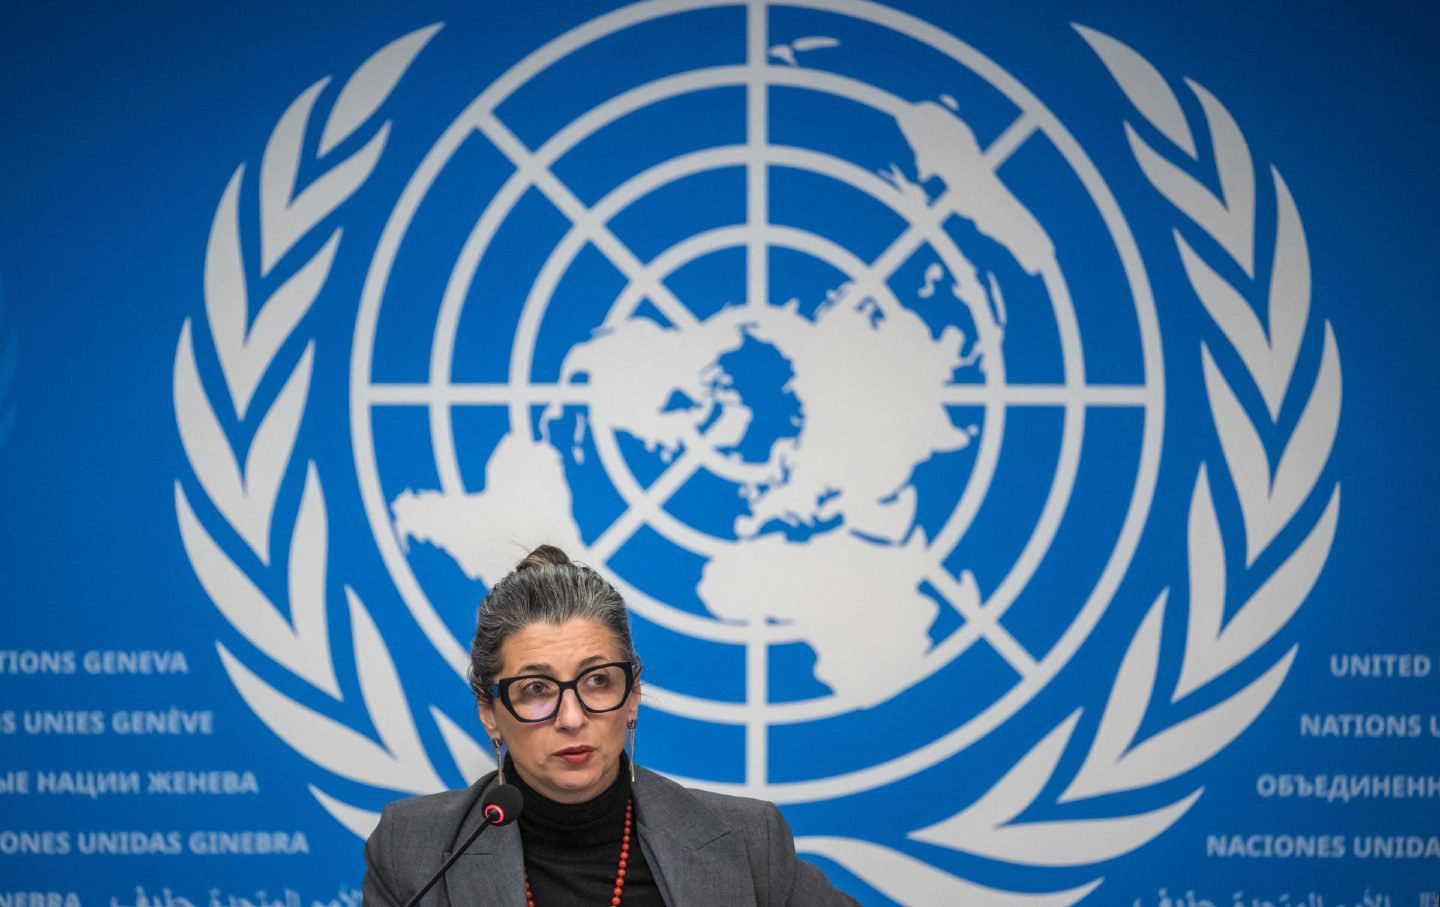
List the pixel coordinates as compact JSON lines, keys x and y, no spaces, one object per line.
{"x":572,"y":850}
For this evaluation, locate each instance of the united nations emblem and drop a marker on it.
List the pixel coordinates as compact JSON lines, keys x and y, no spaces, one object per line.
{"x":850,"y":376}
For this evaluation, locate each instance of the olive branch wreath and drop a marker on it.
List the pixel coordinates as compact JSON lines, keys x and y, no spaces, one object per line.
{"x":245,"y":497}
{"x":1269,"y":500}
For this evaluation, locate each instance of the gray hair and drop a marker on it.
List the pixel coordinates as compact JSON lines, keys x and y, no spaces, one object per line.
{"x":546,"y":587}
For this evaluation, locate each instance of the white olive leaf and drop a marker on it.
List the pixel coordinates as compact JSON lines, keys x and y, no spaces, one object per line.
{"x":372,"y":83}
{"x":1268,"y":504}
{"x":309,"y":556}
{"x":1072,"y":842}
{"x":279,"y":168}
{"x":1194,"y":741}
{"x":906,"y":880}
{"x":988,"y":828}
{"x":1120,"y":722}
{"x":1116,"y":763}
{"x":361,"y":822}
{"x":1285,"y":590}
{"x":246,"y":499}
{"x":1246,"y":458}
{"x":1270,"y":359}
{"x":1229,"y":218}
{"x":246,"y":607}
{"x":1236,"y":170}
{"x":1144,"y":86}
{"x":1211,"y":651}
{"x":470,"y":757}
{"x":1289,"y":299}
{"x":226,"y":293}
{"x":271,"y":450}
{"x":1230,"y":311}
{"x":209,"y":451}
{"x":286,"y":215}
{"x":203,"y":439}
{"x":1308,"y":449}
{"x":244,"y":363}
{"x":321,"y":739}
{"x":246,"y":351}
{"x":1012,"y":794}
{"x":385,"y":699}
{"x":1205,"y":551}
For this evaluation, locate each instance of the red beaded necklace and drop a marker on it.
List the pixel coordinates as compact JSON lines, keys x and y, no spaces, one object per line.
{"x":619,"y":872}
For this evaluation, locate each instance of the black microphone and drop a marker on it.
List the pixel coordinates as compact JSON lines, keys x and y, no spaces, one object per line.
{"x":501,"y":806}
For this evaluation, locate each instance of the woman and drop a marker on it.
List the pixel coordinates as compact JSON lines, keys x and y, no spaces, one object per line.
{"x":554,"y":671}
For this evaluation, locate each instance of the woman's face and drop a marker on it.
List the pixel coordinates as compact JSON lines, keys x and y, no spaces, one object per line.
{"x":574,"y":756}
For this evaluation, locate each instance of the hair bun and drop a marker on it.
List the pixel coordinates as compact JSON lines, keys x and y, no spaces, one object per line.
{"x":545,"y":555}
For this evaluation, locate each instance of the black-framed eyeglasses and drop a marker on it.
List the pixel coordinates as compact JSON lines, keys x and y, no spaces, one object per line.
{"x":536,"y":697}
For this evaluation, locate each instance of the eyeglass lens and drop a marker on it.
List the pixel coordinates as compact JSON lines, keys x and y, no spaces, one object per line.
{"x":600,"y":689}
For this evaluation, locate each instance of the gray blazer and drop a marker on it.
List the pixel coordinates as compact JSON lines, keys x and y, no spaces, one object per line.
{"x":706,"y":850}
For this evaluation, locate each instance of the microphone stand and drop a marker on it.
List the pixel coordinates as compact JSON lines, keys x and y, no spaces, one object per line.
{"x":494,"y":813}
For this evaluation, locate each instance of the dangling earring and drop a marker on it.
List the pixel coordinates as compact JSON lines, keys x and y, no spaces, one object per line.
{"x":499,"y":757}
{"x":631,"y":725}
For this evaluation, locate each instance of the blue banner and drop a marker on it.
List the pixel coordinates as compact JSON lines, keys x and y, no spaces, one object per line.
{"x":1011,"y":430}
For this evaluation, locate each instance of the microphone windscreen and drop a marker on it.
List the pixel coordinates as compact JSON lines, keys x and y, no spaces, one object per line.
{"x":502,"y":804}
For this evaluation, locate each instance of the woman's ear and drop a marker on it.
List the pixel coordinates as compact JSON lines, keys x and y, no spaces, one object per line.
{"x":633,"y":709}
{"x":487,"y":718}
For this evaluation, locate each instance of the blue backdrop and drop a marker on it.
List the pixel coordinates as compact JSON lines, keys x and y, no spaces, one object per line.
{"x":1013,"y":430}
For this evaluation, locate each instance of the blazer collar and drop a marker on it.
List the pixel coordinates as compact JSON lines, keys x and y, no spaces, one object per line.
{"x":492,"y":869}
{"x":693,"y":855}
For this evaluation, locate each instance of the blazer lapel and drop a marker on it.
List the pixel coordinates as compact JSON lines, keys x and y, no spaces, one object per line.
{"x":491,"y":872}
{"x":693,"y":856}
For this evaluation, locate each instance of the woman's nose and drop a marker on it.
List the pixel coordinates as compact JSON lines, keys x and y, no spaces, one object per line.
{"x":570,"y":713}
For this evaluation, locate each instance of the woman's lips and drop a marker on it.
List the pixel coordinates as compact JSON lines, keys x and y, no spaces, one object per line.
{"x":576,"y":755}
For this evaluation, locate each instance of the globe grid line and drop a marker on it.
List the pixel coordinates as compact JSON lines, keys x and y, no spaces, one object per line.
{"x":592,"y":229}
{"x":476,"y":394}
{"x":646,"y":505}
{"x":982,"y":620}
{"x":534,"y":393}
{"x":1017,"y":133}
{"x":919,"y":229}
{"x":757,"y":178}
